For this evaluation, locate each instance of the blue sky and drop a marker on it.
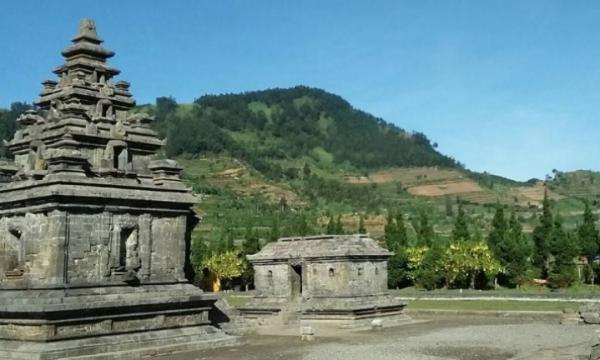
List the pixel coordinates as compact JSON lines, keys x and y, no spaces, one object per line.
{"x":510,"y":87}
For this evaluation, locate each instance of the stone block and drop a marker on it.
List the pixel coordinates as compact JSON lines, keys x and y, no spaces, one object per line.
{"x":590,"y":317}
{"x":307,"y":333}
{"x":377,"y":324}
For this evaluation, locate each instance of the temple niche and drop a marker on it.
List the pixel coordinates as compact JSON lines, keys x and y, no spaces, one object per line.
{"x":94,"y":229}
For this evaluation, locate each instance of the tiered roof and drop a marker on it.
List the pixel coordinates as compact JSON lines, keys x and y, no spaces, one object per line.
{"x":321,"y":246}
{"x":87,"y":111}
{"x":86,"y":76}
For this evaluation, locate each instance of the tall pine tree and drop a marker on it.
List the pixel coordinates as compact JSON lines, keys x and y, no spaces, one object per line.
{"x":275,"y":232}
{"x":229,"y":239}
{"x":425,"y":233}
{"x":251,"y":241}
{"x":510,"y":247}
{"x":330,"y":230}
{"x":401,"y":233}
{"x":461,"y":229}
{"x":361,"y":225}
{"x":541,"y":236}
{"x":301,"y":225}
{"x":563,"y":248}
{"x":339,"y":226}
{"x":395,"y":239}
{"x":391,"y":232}
{"x":587,"y":234}
{"x":449,"y":209}
{"x":497,"y":236}
{"x":516,"y":267}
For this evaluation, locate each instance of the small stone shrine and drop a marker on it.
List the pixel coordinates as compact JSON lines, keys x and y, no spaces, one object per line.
{"x":338,"y":280}
{"x":94,"y":231}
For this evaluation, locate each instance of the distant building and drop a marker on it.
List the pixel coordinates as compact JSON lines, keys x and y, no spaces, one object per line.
{"x":331,"y":279}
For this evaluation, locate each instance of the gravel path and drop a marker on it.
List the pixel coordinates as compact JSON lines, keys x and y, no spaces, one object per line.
{"x":468,"y":338}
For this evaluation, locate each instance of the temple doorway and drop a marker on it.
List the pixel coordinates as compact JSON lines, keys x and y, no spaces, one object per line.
{"x":296,"y":281}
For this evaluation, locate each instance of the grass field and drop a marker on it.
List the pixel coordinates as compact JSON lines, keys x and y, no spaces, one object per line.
{"x":236,"y":300}
{"x":491,"y":305}
{"x":575,"y":291}
{"x":459,"y":305}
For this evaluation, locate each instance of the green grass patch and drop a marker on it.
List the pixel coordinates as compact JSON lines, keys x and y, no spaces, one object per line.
{"x":490,"y":305}
{"x":236,"y":301}
{"x":577,"y":290}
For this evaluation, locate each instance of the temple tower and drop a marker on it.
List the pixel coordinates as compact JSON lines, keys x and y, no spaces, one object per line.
{"x":94,"y":230}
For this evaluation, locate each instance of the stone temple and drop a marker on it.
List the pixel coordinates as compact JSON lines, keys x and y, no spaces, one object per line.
{"x":94,"y":229}
{"x":332,"y":280}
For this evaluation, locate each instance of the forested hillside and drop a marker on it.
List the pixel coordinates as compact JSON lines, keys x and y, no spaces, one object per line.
{"x":290,"y":124}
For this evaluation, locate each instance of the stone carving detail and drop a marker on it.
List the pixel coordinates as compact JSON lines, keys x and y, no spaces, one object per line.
{"x":104,"y":110}
{"x":126,"y":258}
{"x":116,"y":155}
{"x":11,"y":252}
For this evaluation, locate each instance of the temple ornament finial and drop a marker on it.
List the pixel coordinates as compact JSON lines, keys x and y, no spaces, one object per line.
{"x":87,"y":32}
{"x":87,"y":27}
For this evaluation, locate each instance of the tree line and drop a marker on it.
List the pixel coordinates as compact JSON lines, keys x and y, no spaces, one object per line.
{"x":506,"y":256}
{"x":8,"y":125}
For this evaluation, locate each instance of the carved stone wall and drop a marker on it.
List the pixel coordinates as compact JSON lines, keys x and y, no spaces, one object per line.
{"x":89,"y":248}
{"x":32,"y":247}
{"x":345,"y":278}
{"x":273,"y":280}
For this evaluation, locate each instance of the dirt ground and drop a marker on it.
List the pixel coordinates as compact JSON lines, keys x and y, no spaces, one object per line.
{"x":468,"y":338}
{"x":445,"y":189}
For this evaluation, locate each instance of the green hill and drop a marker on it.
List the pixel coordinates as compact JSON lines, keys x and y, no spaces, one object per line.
{"x":287,"y":124}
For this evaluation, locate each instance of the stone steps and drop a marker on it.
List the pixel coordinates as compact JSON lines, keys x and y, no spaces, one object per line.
{"x":126,"y":346}
{"x":236,"y":325}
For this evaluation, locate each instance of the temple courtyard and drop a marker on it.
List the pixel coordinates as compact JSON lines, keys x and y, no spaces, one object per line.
{"x":428,"y":338}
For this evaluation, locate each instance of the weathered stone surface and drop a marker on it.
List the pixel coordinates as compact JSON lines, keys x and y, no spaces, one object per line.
{"x":376,"y":324}
{"x":595,"y":353}
{"x":307,"y":333}
{"x":590,"y":317}
{"x":590,"y":313}
{"x":94,"y":231}
{"x":339,"y":280}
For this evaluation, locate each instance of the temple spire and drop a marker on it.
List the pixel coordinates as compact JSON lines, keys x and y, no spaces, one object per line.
{"x":85,"y":81}
{"x":87,"y":30}
{"x":85,"y":105}
{"x":87,"y":44}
